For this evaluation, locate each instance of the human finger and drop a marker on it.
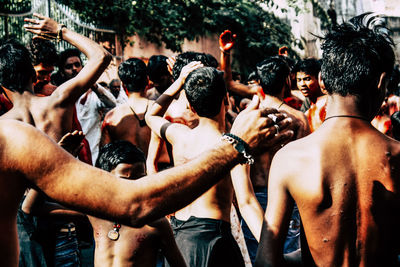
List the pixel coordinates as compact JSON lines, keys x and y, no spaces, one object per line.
{"x":39,"y":16}
{"x":254,"y":104}
{"x":34,"y":21}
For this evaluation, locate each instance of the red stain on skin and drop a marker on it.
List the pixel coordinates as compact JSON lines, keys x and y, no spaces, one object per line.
{"x":141,"y":238}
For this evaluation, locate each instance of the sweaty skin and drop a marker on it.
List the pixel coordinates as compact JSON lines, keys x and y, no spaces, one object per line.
{"x":344,"y":180}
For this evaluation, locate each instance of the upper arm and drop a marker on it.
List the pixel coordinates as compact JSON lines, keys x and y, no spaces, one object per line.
{"x":277,"y":215}
{"x":173,"y":132}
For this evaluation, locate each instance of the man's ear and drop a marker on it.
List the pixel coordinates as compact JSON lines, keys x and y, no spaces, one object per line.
{"x":322,"y":84}
{"x":383,"y":81}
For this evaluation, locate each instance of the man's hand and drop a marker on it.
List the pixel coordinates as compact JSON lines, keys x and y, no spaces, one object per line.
{"x":262,"y":129}
{"x":226,"y":40}
{"x":43,"y":27}
{"x":186,"y":70}
{"x":72,"y":142}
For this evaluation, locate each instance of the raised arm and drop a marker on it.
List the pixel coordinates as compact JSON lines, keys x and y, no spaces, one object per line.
{"x":154,"y":117}
{"x":98,"y":58}
{"x":277,"y":216}
{"x":226,"y":43}
{"x":249,"y":207}
{"x":105,"y":96}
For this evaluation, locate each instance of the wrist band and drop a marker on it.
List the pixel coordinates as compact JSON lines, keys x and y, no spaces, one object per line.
{"x":59,"y":32}
{"x":225,"y":52}
{"x":241,"y":146}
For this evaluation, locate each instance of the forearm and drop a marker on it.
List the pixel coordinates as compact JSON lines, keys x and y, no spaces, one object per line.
{"x":153,"y":153}
{"x":172,"y":189}
{"x":252,"y":213}
{"x":106,"y":97}
{"x":162,"y":103}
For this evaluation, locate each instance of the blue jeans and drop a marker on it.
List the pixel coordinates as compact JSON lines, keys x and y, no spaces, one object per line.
{"x":292,"y":242}
{"x":66,"y":251}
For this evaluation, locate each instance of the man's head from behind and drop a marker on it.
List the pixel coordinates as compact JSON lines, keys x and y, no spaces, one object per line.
{"x":133,"y":74}
{"x":157,"y":68}
{"x":307,"y":72}
{"x":123,"y":159}
{"x":44,"y":58}
{"x":16,"y":71}
{"x":205,"y":91}
{"x":70,"y":63}
{"x":355,"y":55}
{"x":273,"y":74}
{"x":185,"y":58}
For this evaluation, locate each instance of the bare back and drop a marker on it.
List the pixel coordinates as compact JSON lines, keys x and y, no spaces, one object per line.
{"x":344,"y":179}
{"x":121,"y":124}
{"x":216,"y":202}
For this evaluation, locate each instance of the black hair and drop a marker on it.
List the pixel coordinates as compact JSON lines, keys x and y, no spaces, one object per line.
{"x":393,"y":85}
{"x":395,"y":119}
{"x":272,"y":73}
{"x":118,"y":152}
{"x":205,"y":91}
{"x":157,"y":67}
{"x":310,"y":66}
{"x":15,"y":66}
{"x":185,"y":58}
{"x":212,"y":61}
{"x":133,"y":73}
{"x":43,"y":51}
{"x":355,"y":54}
{"x":113,"y":81}
{"x":67,"y":53}
{"x":252,"y":76}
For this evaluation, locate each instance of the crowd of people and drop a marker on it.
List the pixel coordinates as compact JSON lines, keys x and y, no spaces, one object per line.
{"x":183,"y":162}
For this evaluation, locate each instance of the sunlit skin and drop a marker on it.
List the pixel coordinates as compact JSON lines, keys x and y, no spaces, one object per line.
{"x":308,"y":85}
{"x":72,"y":67}
{"x":135,"y":246}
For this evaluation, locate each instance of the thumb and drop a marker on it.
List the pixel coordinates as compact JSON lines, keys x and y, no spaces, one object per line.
{"x":255,"y":102}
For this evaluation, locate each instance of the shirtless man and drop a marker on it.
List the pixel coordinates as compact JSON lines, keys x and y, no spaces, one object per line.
{"x":29,"y":158}
{"x":118,"y":245}
{"x":273,"y":75}
{"x":126,"y":121}
{"x":205,"y":91}
{"x":344,"y":176}
{"x":52,"y":114}
{"x":307,"y":81}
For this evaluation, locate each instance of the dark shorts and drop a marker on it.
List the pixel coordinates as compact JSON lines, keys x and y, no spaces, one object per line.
{"x":206,"y":242}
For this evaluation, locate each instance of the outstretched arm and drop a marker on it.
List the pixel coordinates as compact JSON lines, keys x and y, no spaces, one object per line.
{"x":226,"y":43}
{"x":98,"y":58}
{"x":33,"y":156}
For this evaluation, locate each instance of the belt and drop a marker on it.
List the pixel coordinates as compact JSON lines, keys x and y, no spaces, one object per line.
{"x":67,"y":229}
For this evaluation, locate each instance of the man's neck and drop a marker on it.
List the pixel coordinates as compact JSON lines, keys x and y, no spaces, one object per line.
{"x":271,"y":101}
{"x":343,"y":105}
{"x":217,"y":122}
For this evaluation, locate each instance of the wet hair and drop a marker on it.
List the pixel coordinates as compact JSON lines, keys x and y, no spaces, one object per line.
{"x":355,"y":54}
{"x":157,"y":67}
{"x":253,"y":76}
{"x":118,"y":152}
{"x":212,"y":61}
{"x":272,"y":73}
{"x":43,"y":51}
{"x":310,"y":66}
{"x":205,"y":91}
{"x":67,"y":53}
{"x":185,"y":58}
{"x":15,"y":66}
{"x":133,"y":73}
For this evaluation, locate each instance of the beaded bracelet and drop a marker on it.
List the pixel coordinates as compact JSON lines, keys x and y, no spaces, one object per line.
{"x":241,"y":146}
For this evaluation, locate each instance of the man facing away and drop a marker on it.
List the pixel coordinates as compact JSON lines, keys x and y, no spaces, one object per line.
{"x":120,"y":245}
{"x":344,"y":176}
{"x":202,"y":229}
{"x":126,"y":121}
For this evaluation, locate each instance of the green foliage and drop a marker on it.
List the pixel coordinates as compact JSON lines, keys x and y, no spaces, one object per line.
{"x":260,"y":33}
